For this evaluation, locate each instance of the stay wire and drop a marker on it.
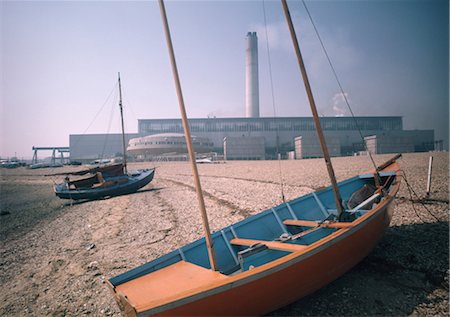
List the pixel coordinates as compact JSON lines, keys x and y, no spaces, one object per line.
{"x":95,"y":117}
{"x":273,"y":102}
{"x":339,"y":84}
{"x":98,"y":112}
{"x":109,"y":123}
{"x":411,"y":192}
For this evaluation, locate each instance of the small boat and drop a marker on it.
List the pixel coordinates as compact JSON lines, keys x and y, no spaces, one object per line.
{"x":265,"y":261}
{"x":272,"y":258}
{"x":105,"y":181}
{"x":100,"y":185}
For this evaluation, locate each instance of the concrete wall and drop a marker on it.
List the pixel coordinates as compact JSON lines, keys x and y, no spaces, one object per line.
{"x":390,"y":143}
{"x":308,"y":146}
{"x":244,"y":148}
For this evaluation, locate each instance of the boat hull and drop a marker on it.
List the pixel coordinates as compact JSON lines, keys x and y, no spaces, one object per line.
{"x":300,"y":276}
{"x":261,"y":289}
{"x":133,"y":184}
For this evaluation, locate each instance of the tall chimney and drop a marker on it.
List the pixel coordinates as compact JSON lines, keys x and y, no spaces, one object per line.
{"x":251,"y":76}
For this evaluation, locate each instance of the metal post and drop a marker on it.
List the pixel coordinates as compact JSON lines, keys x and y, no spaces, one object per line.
{"x":337,"y":195}
{"x":430,"y":165}
{"x":187,"y":134}
{"x":123,"y":129}
{"x":53,"y":157}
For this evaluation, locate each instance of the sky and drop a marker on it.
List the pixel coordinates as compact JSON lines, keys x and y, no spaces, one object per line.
{"x":60,"y":59}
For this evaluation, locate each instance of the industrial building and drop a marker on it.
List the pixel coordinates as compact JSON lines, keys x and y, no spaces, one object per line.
{"x":159,"y":144}
{"x":277,"y":135}
{"x":308,"y":147}
{"x":281,"y":132}
{"x":89,"y":147}
{"x":244,"y":148}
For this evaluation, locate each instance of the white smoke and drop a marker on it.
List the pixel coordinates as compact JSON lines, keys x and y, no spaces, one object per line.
{"x":339,"y":105}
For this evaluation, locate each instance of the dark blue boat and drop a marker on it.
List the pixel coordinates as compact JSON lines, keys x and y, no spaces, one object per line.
{"x":106,"y":181}
{"x":99,"y":186}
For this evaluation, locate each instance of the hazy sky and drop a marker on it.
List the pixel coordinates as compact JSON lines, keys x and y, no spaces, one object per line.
{"x":59,"y":63}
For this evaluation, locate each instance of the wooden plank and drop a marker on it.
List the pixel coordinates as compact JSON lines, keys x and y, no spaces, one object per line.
{"x":274,"y":245}
{"x":155,"y":288}
{"x":307,"y":223}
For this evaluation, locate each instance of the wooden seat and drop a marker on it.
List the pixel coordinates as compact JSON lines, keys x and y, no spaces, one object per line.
{"x":155,"y":288}
{"x":308,"y":223}
{"x":274,"y":245}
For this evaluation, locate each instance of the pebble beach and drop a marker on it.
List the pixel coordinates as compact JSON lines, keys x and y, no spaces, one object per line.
{"x":55,"y":255}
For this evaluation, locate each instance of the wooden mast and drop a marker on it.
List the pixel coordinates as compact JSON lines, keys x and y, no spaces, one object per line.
{"x":123,"y":129}
{"x":187,"y":133}
{"x":337,"y":195}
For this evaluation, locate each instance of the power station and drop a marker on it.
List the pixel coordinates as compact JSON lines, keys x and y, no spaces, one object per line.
{"x":251,"y":76}
{"x":255,"y":137}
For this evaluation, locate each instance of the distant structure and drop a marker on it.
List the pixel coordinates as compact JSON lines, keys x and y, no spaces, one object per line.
{"x":389,"y":143}
{"x":60,"y":149}
{"x":244,"y":148}
{"x":277,"y":133}
{"x":86,"y":148}
{"x":288,"y":128}
{"x":243,"y":138}
{"x":165,"y":143}
{"x":308,"y":147}
{"x":251,"y":76}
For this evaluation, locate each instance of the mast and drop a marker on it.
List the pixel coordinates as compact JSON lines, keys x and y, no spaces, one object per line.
{"x":187,"y":134}
{"x":123,"y":129}
{"x":323,"y":145}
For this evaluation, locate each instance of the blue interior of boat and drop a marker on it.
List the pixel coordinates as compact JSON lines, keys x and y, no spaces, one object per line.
{"x":264,"y":226}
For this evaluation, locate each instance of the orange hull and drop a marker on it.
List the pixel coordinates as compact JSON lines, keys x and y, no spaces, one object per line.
{"x":279,"y":289}
{"x":264,"y":288}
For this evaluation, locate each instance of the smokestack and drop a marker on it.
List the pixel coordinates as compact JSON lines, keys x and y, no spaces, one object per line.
{"x":251,"y":76}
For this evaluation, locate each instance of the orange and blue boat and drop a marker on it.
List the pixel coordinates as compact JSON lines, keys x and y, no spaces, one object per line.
{"x":268,"y":260}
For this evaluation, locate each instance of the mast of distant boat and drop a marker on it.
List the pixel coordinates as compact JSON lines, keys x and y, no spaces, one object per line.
{"x":326,"y":155}
{"x":123,"y":130}
{"x":187,"y":132}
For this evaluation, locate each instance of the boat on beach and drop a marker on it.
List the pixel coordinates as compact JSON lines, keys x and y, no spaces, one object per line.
{"x":106,"y":180}
{"x":266,"y":261}
{"x":101,"y":185}
{"x":272,"y":258}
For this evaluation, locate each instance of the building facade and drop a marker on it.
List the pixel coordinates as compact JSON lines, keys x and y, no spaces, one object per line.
{"x":281,"y":132}
{"x":278,"y":133}
{"x":165,"y":143}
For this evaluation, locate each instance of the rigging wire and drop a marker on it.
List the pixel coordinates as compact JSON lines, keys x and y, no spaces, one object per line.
{"x":411,"y":192}
{"x":109,"y":124}
{"x":101,"y":108}
{"x":273,"y":102}
{"x":95,"y":117}
{"x":344,"y":95}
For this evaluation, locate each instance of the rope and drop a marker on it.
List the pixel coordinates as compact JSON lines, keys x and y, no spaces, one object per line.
{"x":339,"y":83}
{"x":273,"y":102}
{"x":96,"y":115}
{"x":411,"y":192}
{"x":109,"y":125}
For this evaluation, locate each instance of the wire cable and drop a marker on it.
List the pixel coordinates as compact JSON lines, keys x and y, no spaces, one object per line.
{"x":339,"y":84}
{"x":411,"y":192}
{"x":273,"y":103}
